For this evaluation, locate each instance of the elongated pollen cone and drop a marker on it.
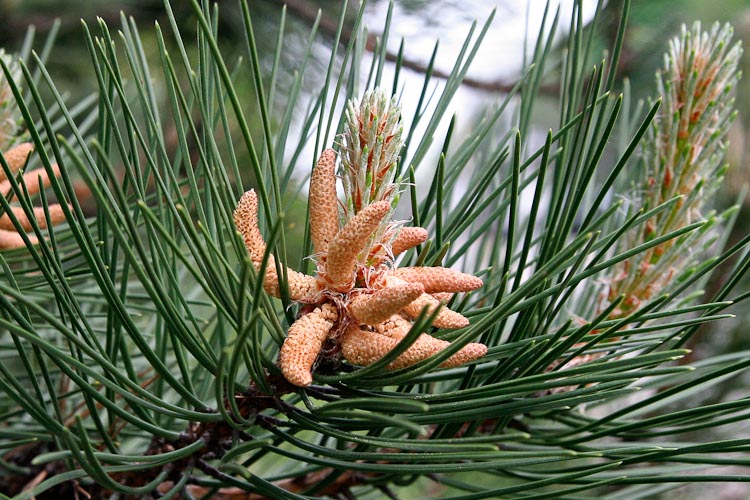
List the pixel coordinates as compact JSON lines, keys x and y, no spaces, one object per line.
{"x":439,"y":279}
{"x":350,"y":241}
{"x":303,"y":343}
{"x":16,"y":157}
{"x":324,"y":214}
{"x":301,"y":287}
{"x":375,"y":308}
{"x":408,"y":237}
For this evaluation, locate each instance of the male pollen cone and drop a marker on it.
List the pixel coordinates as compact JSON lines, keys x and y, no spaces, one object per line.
{"x":246,"y":221}
{"x":301,"y":286}
{"x":395,"y":326}
{"x":324,"y":214}
{"x":349,"y":242}
{"x":445,"y":317}
{"x":408,"y":237}
{"x":303,"y":342}
{"x":56,"y":215}
{"x":15,"y":157}
{"x":35,"y":181}
{"x":377,"y":307}
{"x":11,"y":239}
{"x":439,"y":279}
{"x":364,"y":347}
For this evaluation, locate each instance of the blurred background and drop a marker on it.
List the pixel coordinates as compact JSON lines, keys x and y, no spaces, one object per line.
{"x":420,"y":23}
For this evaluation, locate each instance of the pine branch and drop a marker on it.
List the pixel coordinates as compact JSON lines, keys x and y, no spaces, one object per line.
{"x":165,"y":344}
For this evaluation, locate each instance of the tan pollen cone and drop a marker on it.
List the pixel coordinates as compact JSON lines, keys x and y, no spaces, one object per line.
{"x":408,"y":237}
{"x":349,"y":242}
{"x":439,"y":279}
{"x":445,"y":318}
{"x":376,"y":307}
{"x":34,"y":182}
{"x":11,"y":239}
{"x":55,"y":212}
{"x":363,"y":348}
{"x":324,"y":211}
{"x":15,"y":157}
{"x":303,"y":343}
{"x":301,"y":287}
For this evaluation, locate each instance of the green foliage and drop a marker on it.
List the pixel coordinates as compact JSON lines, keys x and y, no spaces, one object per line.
{"x":139,"y":347}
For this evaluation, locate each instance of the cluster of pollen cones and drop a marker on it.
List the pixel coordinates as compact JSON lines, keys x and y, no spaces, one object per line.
{"x":367,"y":307}
{"x":35,"y":181}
